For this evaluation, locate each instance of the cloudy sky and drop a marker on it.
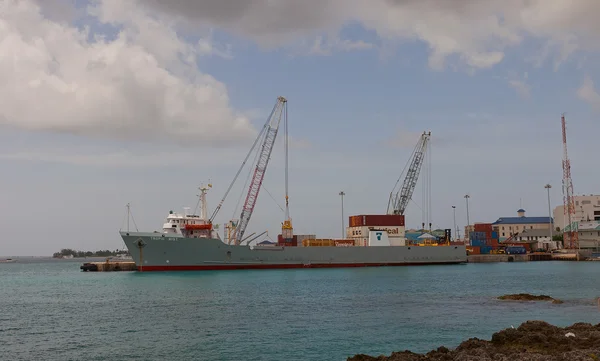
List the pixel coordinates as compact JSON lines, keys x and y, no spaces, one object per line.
{"x":114,"y":101}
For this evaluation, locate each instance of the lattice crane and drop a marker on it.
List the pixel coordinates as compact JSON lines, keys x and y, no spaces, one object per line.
{"x":399,"y":201}
{"x":570,"y":238}
{"x":270,"y":134}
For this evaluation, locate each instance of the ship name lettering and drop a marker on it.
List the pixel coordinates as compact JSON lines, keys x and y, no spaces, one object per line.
{"x":163,"y":238}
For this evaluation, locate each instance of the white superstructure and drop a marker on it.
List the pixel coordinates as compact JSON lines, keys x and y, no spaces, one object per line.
{"x":191,"y":225}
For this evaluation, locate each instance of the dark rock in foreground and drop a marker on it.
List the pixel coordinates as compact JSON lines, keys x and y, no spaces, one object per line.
{"x":532,"y":341}
{"x":528,"y":297}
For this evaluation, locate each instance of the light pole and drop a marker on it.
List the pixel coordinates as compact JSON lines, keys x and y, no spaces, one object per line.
{"x":468,"y":221}
{"x":455,"y":229}
{"x":342,"y":194}
{"x":548,"y":186}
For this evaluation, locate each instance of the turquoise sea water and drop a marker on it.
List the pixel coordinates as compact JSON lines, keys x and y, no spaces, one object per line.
{"x":53,"y":311}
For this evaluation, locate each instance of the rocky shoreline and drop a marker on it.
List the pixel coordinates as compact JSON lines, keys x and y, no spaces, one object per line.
{"x":531,"y":341}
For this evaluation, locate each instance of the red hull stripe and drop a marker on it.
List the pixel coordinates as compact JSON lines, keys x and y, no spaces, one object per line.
{"x":281,"y":266}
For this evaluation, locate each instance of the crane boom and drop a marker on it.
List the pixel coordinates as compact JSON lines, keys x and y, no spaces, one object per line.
{"x":261,"y":167}
{"x":401,"y":199}
{"x":570,"y":239}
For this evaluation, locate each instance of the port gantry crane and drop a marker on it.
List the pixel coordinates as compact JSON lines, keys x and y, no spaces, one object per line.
{"x":268,"y":134}
{"x":398,"y":202}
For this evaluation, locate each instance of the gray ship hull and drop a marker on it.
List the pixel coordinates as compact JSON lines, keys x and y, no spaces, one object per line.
{"x":160,"y":252}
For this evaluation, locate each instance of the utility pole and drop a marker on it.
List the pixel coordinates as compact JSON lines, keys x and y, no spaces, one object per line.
{"x":455,"y":229}
{"x":468,"y":221}
{"x":548,"y":186}
{"x":342,"y":194}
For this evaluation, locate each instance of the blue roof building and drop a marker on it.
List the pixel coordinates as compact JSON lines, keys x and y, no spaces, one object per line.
{"x":513,"y":225}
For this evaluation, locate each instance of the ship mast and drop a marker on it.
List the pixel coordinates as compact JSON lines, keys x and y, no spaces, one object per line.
{"x":203,"y":207}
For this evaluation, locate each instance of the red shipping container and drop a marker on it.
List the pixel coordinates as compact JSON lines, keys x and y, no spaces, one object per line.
{"x":354,"y":221}
{"x":483,"y":227}
{"x":384,"y":220}
{"x":473,"y":250}
{"x":287,"y":242}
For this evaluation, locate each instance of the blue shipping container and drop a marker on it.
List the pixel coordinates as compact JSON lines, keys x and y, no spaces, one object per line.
{"x":485,"y":250}
{"x":494,"y":235}
{"x":477,"y":235}
{"x":479,"y":242}
{"x":516,"y":250}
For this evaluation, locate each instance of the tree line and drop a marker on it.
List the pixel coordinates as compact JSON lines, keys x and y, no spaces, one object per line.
{"x":81,"y":254}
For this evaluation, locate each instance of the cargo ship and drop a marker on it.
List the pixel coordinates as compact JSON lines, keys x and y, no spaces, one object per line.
{"x":190,"y":242}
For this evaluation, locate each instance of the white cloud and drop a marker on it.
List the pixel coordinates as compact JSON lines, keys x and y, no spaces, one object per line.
{"x":478,"y":32}
{"x":588,"y":93}
{"x":322,"y":46}
{"x":521,"y":86}
{"x":143,"y":84}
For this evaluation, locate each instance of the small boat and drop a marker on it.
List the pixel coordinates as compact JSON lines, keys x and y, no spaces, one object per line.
{"x":8,"y":260}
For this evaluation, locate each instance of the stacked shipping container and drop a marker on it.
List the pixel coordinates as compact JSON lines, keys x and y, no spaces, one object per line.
{"x":484,"y":237}
{"x":389,"y":220}
{"x":393,"y":224}
{"x":292,"y":242}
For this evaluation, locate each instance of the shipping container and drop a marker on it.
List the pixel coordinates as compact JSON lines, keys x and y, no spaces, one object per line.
{"x":473,"y":250}
{"x":354,"y":221}
{"x":485,"y":250}
{"x":477,"y":235}
{"x":516,"y":250}
{"x":344,"y":242}
{"x":376,"y":220}
{"x":318,"y":243}
{"x":483,"y":227}
{"x":353,"y":232}
{"x":287,"y":242}
{"x":479,"y":242}
{"x":495,"y":235}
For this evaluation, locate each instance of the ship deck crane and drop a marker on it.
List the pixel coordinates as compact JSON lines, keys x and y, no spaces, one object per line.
{"x":398,"y":202}
{"x":570,"y":238}
{"x":268,"y":134}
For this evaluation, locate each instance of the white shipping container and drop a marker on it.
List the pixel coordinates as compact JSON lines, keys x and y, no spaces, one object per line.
{"x":363,"y":232}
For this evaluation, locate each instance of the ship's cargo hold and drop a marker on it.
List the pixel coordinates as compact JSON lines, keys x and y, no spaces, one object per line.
{"x":376,"y":220}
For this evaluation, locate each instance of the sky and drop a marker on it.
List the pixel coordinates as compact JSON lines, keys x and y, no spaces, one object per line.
{"x":109,"y":102}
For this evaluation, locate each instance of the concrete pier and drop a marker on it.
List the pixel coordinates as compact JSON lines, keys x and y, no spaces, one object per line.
{"x":108,"y":266}
{"x":488,"y":258}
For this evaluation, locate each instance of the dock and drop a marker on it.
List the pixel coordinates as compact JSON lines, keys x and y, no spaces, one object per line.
{"x":108,"y":266}
{"x":536,"y":256}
